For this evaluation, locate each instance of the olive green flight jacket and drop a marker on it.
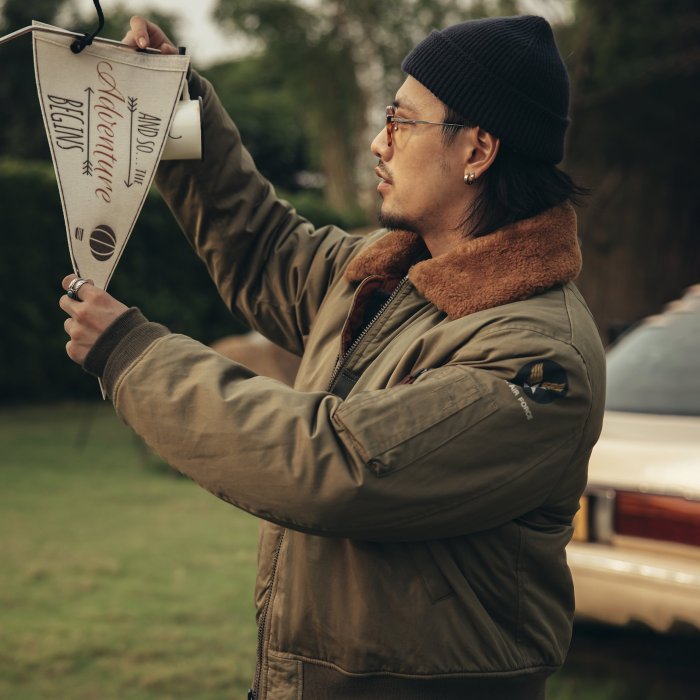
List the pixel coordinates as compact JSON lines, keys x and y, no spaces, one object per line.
{"x":418,"y":484}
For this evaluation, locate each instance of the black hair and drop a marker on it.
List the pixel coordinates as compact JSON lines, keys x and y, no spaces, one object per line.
{"x":515,"y":187}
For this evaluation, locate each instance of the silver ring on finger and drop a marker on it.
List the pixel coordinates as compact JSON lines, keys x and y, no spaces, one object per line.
{"x":74,"y":288}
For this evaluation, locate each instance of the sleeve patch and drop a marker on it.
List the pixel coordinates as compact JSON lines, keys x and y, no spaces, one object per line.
{"x":543,"y":381}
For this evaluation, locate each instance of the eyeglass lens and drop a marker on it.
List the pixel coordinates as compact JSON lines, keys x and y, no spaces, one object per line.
{"x":389,"y":124}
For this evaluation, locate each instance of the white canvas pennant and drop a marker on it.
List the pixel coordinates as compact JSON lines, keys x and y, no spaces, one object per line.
{"x":107,"y":113}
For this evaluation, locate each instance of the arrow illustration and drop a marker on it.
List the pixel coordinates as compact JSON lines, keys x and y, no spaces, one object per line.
{"x":87,"y":164}
{"x":132,"y":104}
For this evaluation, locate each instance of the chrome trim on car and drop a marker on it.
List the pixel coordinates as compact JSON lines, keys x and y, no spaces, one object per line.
{"x":607,"y":562}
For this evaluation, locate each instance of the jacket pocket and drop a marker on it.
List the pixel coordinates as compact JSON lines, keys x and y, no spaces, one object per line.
{"x":392,"y":428}
{"x":436,"y":585}
{"x":284,"y":678}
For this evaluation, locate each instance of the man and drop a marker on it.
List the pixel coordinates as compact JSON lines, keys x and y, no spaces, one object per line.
{"x":418,"y":484}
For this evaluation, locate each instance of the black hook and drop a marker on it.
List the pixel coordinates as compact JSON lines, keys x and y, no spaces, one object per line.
{"x":79,"y":44}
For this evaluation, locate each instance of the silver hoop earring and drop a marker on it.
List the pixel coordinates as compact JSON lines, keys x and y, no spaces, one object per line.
{"x":470,"y":178}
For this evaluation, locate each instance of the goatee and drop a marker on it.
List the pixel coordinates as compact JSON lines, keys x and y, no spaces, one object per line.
{"x":394,"y":222}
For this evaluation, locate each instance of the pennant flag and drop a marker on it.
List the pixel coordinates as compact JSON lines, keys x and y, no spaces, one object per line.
{"x":107,"y":113}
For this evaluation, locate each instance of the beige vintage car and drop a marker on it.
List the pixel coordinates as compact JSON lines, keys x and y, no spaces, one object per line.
{"x":635,"y":556}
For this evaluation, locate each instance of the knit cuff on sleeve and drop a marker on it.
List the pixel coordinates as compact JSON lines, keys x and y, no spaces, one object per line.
{"x":120,"y":344}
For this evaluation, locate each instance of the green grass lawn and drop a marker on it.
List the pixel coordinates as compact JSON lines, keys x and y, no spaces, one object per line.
{"x":118,"y":579}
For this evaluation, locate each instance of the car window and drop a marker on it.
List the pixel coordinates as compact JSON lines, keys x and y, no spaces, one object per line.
{"x":655,"y":368}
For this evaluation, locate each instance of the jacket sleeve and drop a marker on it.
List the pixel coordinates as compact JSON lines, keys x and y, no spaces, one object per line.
{"x":272,"y":269}
{"x":451,"y":454}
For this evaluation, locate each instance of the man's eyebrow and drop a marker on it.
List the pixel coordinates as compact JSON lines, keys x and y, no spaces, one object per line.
{"x":404,"y":104}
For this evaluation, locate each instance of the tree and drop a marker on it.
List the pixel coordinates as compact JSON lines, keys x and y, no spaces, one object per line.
{"x":635,"y":140}
{"x":635,"y":72}
{"x":342,"y":60}
{"x":323,"y":55}
{"x":22,"y":133}
{"x":254,"y":92}
{"x":321,"y":70}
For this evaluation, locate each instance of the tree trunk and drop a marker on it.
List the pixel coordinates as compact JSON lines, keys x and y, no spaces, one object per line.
{"x":638,"y":149}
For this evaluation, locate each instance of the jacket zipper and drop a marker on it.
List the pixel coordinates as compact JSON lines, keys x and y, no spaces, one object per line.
{"x":342,"y":360}
{"x":255,"y":690}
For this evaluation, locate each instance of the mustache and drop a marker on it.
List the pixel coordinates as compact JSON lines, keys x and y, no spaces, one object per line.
{"x":383,"y":172}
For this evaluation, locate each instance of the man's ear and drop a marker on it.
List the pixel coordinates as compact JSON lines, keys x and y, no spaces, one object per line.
{"x":482,"y":151}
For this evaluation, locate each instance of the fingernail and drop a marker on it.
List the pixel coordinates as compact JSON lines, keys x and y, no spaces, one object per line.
{"x":142,"y":42}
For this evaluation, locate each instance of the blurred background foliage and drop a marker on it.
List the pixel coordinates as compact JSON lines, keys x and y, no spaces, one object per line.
{"x":308,"y":98}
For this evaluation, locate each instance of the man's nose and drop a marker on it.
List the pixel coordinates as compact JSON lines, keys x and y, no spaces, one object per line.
{"x":379,"y":146}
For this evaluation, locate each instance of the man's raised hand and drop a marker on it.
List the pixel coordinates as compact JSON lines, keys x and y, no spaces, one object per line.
{"x":144,"y":34}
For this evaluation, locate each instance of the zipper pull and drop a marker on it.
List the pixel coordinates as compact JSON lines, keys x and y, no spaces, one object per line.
{"x":251,"y":694}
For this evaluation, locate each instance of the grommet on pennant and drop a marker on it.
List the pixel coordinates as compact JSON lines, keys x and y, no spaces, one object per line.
{"x":79,"y":44}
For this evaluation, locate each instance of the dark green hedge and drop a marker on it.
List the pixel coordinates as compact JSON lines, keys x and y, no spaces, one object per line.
{"x":172,"y":288}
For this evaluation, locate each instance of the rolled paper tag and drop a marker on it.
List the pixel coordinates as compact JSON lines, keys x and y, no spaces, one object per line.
{"x":184,"y":140}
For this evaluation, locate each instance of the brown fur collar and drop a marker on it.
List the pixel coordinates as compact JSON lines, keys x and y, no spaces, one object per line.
{"x":510,"y":264}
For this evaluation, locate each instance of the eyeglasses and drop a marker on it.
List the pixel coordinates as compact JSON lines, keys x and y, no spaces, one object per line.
{"x":392,"y":123}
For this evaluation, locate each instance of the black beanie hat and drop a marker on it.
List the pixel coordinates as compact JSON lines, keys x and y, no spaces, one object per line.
{"x":504,"y":74}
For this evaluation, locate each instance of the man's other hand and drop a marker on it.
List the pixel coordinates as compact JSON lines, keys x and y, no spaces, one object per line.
{"x":89,"y":315}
